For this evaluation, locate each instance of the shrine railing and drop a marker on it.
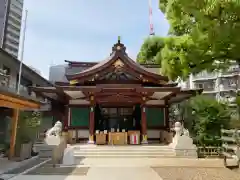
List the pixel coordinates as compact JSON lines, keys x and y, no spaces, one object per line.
{"x":209,"y":151}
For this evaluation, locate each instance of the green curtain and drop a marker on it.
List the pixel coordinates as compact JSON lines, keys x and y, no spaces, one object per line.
{"x":80,"y":116}
{"x":155,"y":116}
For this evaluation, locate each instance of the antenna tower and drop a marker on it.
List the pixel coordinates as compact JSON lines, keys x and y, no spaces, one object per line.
{"x":151,"y":32}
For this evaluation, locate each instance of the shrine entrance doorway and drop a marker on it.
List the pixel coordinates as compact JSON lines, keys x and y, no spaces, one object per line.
{"x":113,"y":118}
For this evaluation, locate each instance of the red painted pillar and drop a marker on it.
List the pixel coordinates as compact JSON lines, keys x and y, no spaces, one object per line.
{"x":144,"y":125}
{"x":166,"y":117}
{"x":66,"y":116}
{"x":91,"y":125}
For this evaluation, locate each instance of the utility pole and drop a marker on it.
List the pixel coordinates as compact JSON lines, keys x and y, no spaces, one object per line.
{"x":16,"y":113}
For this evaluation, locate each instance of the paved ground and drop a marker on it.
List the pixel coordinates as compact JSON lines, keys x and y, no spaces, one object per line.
{"x":135,"y":169}
{"x":11,"y":168}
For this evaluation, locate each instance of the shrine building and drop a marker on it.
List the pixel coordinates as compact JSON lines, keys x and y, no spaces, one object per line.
{"x":108,"y":101}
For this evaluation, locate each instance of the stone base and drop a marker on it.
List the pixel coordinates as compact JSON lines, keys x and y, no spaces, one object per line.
{"x":183,"y":146}
{"x":190,"y":153}
{"x":91,"y":139}
{"x":91,"y":142}
{"x":68,"y":157}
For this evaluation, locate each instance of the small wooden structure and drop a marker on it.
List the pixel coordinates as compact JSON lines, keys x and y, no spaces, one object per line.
{"x":9,"y":99}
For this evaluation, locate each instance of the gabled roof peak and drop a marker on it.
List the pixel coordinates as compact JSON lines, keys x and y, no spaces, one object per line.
{"x":118,"y":47}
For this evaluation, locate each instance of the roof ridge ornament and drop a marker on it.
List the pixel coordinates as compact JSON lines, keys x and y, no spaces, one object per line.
{"x":119,"y":39}
{"x":119,"y":47}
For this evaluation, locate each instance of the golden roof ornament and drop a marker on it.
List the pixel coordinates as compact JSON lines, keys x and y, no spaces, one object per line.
{"x":118,"y":63}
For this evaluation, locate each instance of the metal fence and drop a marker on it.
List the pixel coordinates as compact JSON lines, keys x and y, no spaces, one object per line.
{"x":209,"y":152}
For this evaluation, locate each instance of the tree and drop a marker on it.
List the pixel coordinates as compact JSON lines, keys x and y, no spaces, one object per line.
{"x":215,"y":24}
{"x":207,"y":118}
{"x":204,"y":35}
{"x":28,"y":126}
{"x":149,"y":52}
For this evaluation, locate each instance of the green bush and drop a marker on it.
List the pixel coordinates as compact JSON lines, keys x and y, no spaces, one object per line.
{"x":204,"y":119}
{"x":28,"y":125}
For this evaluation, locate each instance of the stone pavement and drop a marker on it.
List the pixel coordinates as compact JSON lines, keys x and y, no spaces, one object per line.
{"x":9,"y":169}
{"x":135,"y":169}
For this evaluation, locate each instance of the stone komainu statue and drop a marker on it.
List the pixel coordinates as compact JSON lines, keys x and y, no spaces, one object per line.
{"x":55,"y":130}
{"x":54,"y":138}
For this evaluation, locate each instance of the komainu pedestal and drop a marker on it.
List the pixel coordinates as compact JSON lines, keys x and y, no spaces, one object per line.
{"x":68,"y":157}
{"x":182,"y":143}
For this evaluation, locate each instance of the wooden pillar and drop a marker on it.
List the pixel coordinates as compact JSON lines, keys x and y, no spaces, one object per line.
{"x":65,"y":124}
{"x":14,"y":125}
{"x":144,"y":125}
{"x":166,"y":117}
{"x":91,"y":125}
{"x":66,"y":116}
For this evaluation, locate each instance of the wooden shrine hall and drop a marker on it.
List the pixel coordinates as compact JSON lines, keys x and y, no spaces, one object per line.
{"x":115,"y":101}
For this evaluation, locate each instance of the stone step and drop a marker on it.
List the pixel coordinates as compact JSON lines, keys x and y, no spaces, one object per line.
{"x":121,"y":146}
{"x":45,"y":151}
{"x":124,"y":156}
{"x":124,"y":150}
{"x":118,"y":153}
{"x":130,"y":151}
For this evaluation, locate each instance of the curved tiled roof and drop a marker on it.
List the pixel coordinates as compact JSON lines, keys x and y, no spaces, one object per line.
{"x":118,"y":52}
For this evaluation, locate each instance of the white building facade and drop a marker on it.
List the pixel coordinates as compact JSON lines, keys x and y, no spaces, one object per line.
{"x":220,"y":85}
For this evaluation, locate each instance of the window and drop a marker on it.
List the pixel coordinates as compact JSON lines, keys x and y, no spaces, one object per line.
{"x":199,"y":86}
{"x":7,"y":70}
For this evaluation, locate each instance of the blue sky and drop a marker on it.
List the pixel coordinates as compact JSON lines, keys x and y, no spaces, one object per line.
{"x":85,"y":30}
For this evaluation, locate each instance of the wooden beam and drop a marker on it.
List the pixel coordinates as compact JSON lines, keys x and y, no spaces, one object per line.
{"x":14,"y":132}
{"x":158,"y":89}
{"x":62,"y":95}
{"x":19,"y":101}
{"x":12,"y":105}
{"x":43,"y":89}
{"x":82,"y":88}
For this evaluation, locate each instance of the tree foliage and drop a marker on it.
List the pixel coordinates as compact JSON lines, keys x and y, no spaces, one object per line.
{"x":205,"y":117}
{"x":149,"y":52}
{"x":204,"y":35}
{"x":28,"y":125}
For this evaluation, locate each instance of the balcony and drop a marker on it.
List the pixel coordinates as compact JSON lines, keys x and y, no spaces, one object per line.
{"x":232,"y":71}
{"x":13,"y":53}
{"x":9,"y":36}
{"x":13,"y":30}
{"x":9,"y":87}
{"x":204,"y":75}
{"x":16,"y":17}
{"x":16,"y":9}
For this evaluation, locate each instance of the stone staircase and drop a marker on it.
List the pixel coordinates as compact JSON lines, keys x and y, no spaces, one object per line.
{"x":44,"y":150}
{"x":129,"y":151}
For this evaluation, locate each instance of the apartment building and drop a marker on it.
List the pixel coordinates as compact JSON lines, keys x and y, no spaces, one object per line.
{"x":220,"y":85}
{"x":10,"y":25}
